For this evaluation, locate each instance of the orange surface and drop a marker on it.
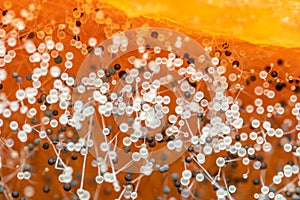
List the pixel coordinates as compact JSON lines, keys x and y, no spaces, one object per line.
{"x":267,"y":22}
{"x":253,"y":33}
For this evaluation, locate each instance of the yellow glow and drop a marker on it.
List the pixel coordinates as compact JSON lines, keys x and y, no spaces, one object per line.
{"x":272,"y":22}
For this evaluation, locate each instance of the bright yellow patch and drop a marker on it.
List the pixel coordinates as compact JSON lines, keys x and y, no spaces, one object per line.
{"x":272,"y":22}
